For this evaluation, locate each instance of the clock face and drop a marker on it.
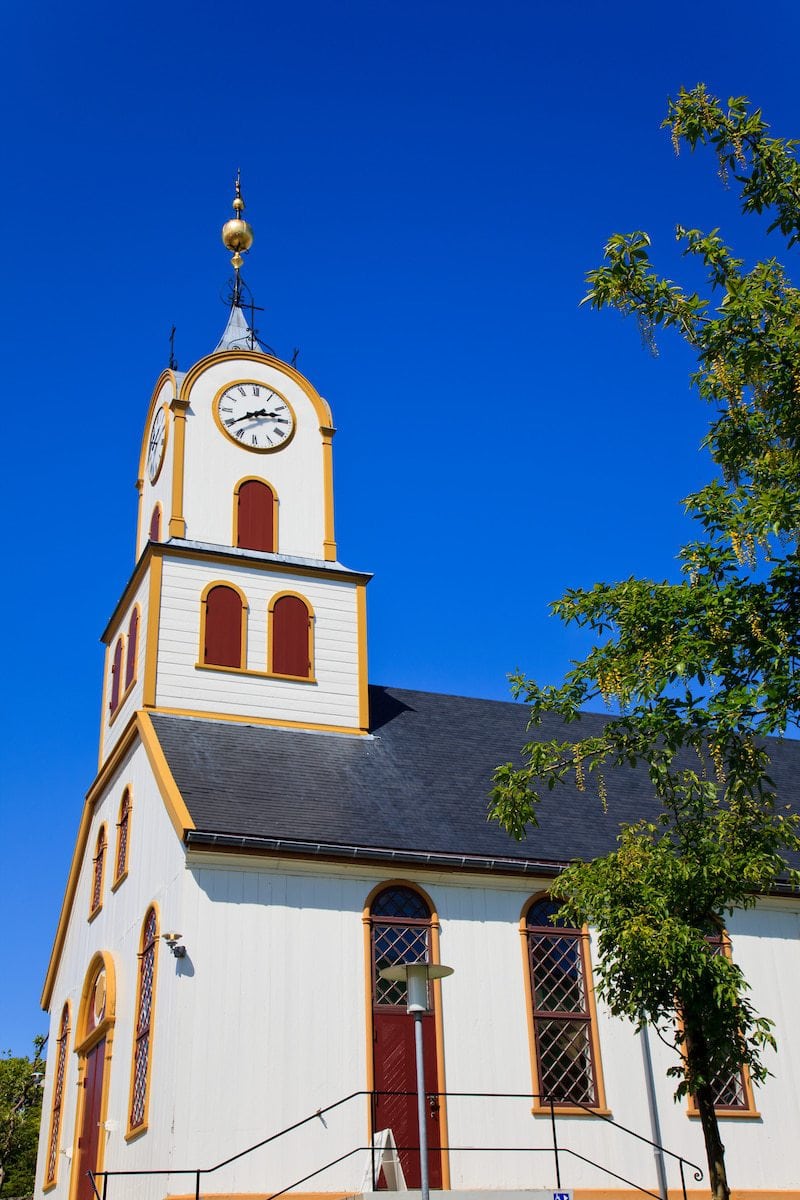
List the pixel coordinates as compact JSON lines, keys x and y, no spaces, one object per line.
{"x":255,"y":416}
{"x":155,"y":445}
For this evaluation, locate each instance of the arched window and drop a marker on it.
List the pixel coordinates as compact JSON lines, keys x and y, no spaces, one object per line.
{"x":57,"y":1107}
{"x":401,"y":930}
{"x":123,"y":831}
{"x":222,"y":626}
{"x":255,"y":515}
{"x":291,"y":627}
{"x":155,"y":524}
{"x":98,"y":866}
{"x":143,"y":1031}
{"x":565,"y":1066}
{"x":133,"y":648}
{"x":733,"y":1092}
{"x":116,"y":677}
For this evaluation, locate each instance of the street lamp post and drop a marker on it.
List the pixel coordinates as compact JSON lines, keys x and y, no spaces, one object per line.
{"x":416,"y":976}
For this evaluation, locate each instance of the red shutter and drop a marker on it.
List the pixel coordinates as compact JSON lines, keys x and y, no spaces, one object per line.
{"x":133,"y":645}
{"x":290,"y":640}
{"x":255,"y":524}
{"x":116,"y":673}
{"x":155,"y":524}
{"x":223,"y":646}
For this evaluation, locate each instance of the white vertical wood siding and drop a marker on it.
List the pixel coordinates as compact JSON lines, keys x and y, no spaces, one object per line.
{"x":155,"y":874}
{"x":214,"y":465}
{"x":114,"y":725}
{"x":332,"y":700}
{"x":159,"y":492}
{"x":272,"y":1027}
{"x":264,"y":1022}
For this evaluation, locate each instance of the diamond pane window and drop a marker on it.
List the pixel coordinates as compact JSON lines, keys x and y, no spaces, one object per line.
{"x":730,"y":1090}
{"x":123,"y":826}
{"x":144,"y":1022}
{"x":97,"y":873}
{"x":58,"y":1097}
{"x":400,"y":934}
{"x":562,"y":1019}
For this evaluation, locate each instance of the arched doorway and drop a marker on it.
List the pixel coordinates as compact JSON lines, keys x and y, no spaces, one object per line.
{"x":401,"y":924}
{"x":94,"y":1040}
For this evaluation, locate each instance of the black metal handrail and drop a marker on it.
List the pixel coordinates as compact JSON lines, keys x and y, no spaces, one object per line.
{"x":556,"y":1150}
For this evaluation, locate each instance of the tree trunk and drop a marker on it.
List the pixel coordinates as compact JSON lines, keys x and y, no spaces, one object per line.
{"x":697,"y":1059}
{"x":715,"y":1151}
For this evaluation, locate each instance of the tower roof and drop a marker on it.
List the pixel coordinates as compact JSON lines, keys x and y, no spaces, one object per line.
{"x":238,"y":335}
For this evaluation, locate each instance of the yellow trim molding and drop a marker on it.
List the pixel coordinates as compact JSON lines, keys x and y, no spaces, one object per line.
{"x":255,"y":479}
{"x":173,"y":801}
{"x":363,"y":674}
{"x":242,"y":719}
{"x":271,"y":565}
{"x":131,"y":1133}
{"x":102,"y":740}
{"x":177,"y":521}
{"x":138,"y":728}
{"x":329,"y":543}
{"x":153,"y":625}
{"x":190,"y":379}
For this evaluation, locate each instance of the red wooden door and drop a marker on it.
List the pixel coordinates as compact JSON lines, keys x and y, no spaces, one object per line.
{"x":89,"y":1138}
{"x":401,"y":933}
{"x":396,"y":1073}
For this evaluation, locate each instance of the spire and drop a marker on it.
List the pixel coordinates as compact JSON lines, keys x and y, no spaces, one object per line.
{"x":238,"y":335}
{"x":237,"y":235}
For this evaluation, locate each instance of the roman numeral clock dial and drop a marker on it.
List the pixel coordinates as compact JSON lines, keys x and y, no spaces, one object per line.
{"x":156,"y":443}
{"x":254,"y":416}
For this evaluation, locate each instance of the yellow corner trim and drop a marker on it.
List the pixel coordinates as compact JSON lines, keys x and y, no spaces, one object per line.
{"x":153,"y":624}
{"x":363,"y":675}
{"x":173,"y":800}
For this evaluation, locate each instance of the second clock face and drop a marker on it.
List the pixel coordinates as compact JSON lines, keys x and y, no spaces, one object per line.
{"x":254,"y":416}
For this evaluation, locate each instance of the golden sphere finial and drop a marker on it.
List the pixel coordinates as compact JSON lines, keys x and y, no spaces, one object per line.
{"x":237,"y":234}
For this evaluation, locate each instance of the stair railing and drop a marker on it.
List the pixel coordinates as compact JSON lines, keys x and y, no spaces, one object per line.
{"x":557,"y":1149}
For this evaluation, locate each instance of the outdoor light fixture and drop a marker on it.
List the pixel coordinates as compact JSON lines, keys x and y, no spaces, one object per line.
{"x":172,"y":940}
{"x":415,"y":976}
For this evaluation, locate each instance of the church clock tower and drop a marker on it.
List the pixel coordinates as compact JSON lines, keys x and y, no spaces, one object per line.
{"x":237,"y":608}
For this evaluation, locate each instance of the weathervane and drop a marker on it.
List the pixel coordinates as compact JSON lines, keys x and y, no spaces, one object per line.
{"x":237,"y":235}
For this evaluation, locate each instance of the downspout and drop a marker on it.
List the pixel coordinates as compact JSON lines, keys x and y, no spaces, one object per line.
{"x":652,"y":1104}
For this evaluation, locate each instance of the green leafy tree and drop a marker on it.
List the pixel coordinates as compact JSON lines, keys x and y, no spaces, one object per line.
{"x":20,"y":1116}
{"x":696,"y":672}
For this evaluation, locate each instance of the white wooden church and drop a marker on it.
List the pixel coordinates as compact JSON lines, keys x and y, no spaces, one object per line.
{"x":266,"y":831}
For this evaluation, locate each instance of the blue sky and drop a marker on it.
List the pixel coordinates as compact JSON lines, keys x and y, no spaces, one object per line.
{"x":428,"y":186}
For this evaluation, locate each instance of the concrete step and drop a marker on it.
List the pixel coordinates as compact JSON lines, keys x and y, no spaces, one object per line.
{"x":485,"y":1194}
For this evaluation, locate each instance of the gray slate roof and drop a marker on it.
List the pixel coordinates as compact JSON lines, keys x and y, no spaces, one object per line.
{"x":417,"y":789}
